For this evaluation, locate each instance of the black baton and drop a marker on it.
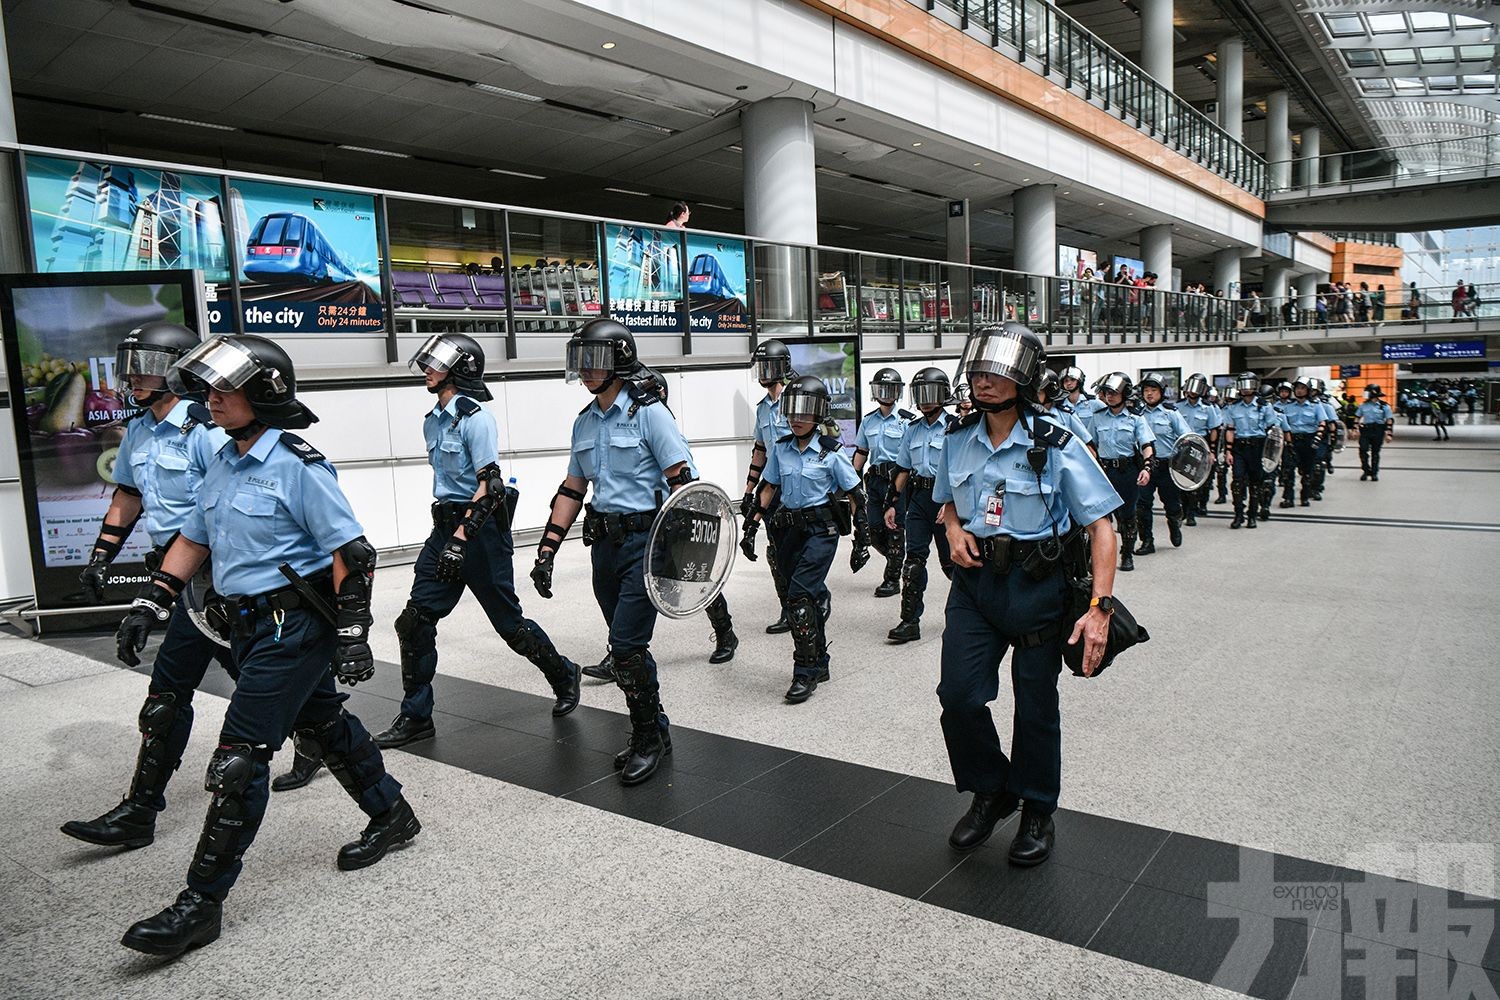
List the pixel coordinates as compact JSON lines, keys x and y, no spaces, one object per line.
{"x":309,"y":595}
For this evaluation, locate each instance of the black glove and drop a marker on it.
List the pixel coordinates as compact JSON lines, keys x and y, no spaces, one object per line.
{"x":450,"y":563}
{"x":92,"y":576}
{"x":541,"y":573}
{"x":151,"y":607}
{"x":859,"y":555}
{"x":747,"y":503}
{"x":747,"y":539}
{"x":352,"y":660}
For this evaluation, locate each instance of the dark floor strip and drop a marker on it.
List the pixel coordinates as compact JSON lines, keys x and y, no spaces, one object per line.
{"x":1134,"y":892}
{"x":1364,"y":522}
{"x":1430,"y":468}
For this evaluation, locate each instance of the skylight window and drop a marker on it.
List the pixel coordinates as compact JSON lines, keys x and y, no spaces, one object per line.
{"x":1429,"y":20}
{"x":1399,"y":57}
{"x":1344,"y":25}
{"x":1441,"y":54}
{"x":1382,"y":24}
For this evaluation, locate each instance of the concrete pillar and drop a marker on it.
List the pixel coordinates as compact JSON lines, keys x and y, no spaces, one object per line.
{"x":1307,"y":294}
{"x":7,"y":102}
{"x":1274,"y":289}
{"x":1157,"y":40}
{"x":1156,"y":253}
{"x":1333,"y":169}
{"x":1035,"y":219}
{"x":11,"y":258}
{"x":1278,"y":140}
{"x":958,"y":231}
{"x":1312,"y":143}
{"x":1227,"y":272}
{"x":1231,"y":67}
{"x":781,"y":191}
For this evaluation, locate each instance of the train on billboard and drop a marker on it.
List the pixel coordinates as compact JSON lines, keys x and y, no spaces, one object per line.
{"x":717,"y":297}
{"x":91,"y":216}
{"x":308,"y":259}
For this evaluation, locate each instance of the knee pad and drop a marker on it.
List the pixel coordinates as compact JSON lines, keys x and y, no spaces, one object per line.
{"x":526,"y":640}
{"x":158,"y":713}
{"x":913,"y":568}
{"x":416,"y":627}
{"x":802,"y":612}
{"x":632,"y":672}
{"x":314,"y":741}
{"x":230,"y":769}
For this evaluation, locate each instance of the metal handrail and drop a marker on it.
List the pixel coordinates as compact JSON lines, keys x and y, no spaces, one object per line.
{"x":1157,"y":110}
{"x":1469,"y":153}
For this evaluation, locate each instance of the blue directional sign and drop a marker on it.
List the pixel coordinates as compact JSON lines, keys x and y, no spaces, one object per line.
{"x":1441,"y":350}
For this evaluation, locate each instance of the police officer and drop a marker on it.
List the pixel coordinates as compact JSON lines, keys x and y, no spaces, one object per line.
{"x":1319,"y":395}
{"x":1223,"y":459}
{"x":628,"y":446}
{"x":1124,"y":444}
{"x":295,"y":573}
{"x":1050,"y":397}
{"x":1021,"y":496}
{"x":821,"y":498}
{"x":877,"y":445}
{"x":1270,"y":396}
{"x":1167,"y":425}
{"x":1377,"y":425}
{"x":470,"y":545}
{"x":963,"y":405}
{"x":1203,"y":419}
{"x":167,"y":447}
{"x":772,"y":361}
{"x":1081,"y":401}
{"x":1307,"y":421}
{"x":921,"y":445}
{"x":1246,"y":421}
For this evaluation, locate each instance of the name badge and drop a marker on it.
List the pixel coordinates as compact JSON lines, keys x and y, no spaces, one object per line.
{"x":994,"y":507}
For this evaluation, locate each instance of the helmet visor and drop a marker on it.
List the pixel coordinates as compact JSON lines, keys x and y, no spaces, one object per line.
{"x":1075,"y":373}
{"x":885,"y":392}
{"x":772,"y":369}
{"x":591,"y":356}
{"x":1003,"y":354}
{"x":1115,"y":382}
{"x":928,"y":393}
{"x":799,"y":405}
{"x":1196,"y":385}
{"x":135,"y":361}
{"x":436,"y":353}
{"x":1246,"y":383}
{"x":214,"y":364}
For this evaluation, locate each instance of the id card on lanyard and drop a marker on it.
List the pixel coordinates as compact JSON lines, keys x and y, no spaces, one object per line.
{"x":994,"y":506}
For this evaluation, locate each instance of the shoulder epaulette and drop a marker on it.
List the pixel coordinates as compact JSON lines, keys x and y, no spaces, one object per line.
{"x":1050,"y":434}
{"x":950,"y":421}
{"x":828,"y":443}
{"x":198,"y":416}
{"x":1170,"y":406}
{"x":906,"y":415}
{"x":785,"y":438}
{"x":465,"y":406}
{"x":639,"y":397}
{"x":915,"y":419}
{"x":585,"y":407}
{"x":968,"y":421}
{"x":302,"y":449}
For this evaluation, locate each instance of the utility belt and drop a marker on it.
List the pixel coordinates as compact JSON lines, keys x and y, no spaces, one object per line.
{"x":921,"y":482}
{"x":245,"y":612}
{"x":808,"y":517}
{"x":1250,"y":442}
{"x":1039,"y":559}
{"x":598,"y":525}
{"x":1132,"y":462}
{"x":1303,"y":435}
{"x":447,"y":515}
{"x":882,"y":470}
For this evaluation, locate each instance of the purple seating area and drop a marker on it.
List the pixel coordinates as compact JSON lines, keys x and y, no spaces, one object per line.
{"x":456,"y":290}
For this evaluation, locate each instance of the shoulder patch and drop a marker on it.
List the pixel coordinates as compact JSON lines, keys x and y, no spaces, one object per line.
{"x":1169,"y":406}
{"x":1050,"y":434}
{"x":968,"y":421}
{"x":302,"y":449}
{"x":465,"y":406}
{"x":198,"y":415}
{"x":906,"y":415}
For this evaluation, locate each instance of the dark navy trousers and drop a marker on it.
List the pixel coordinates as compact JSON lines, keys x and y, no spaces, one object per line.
{"x":620,"y":589}
{"x":806,"y":554}
{"x":922,"y":529}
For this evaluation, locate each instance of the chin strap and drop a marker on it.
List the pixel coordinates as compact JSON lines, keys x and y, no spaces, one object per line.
{"x":994,"y":407}
{"x":241,"y":433}
{"x":606,"y":386}
{"x":154,"y":397}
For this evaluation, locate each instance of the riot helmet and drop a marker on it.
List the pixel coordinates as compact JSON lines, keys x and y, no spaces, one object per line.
{"x":1373,"y":390}
{"x":930,"y":387}
{"x":460,"y":357}
{"x":1213,"y":394}
{"x":1152,"y":379}
{"x":1304,"y":382}
{"x":602,"y":345}
{"x":886,"y":386}
{"x":1071,"y":372}
{"x":151,"y":350}
{"x":1010,"y":351}
{"x":1196,"y":385}
{"x":772,"y":361}
{"x":256,"y":365}
{"x":1316,"y":385}
{"x":1283,"y":386}
{"x":806,"y":398}
{"x":1246,"y":382}
{"x":962,"y":398}
{"x":1116,"y":382}
{"x":1048,"y":387}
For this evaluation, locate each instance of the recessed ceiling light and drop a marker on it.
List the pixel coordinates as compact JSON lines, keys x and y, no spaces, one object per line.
{"x":506,"y":92}
{"x":375,"y":152}
{"x":1025,"y":180}
{"x":517,"y":173}
{"x":187,"y":121}
{"x":638,"y":194}
{"x":607,"y":45}
{"x":1101,"y":204}
{"x":1067,"y":192}
{"x":978,"y":164}
{"x":916,"y":144}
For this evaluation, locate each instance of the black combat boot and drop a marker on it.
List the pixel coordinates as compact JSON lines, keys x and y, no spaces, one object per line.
{"x":1145,"y":534}
{"x":396,"y":825}
{"x":604,"y":670}
{"x":1034,"y":839}
{"x":303,"y":770}
{"x":890,"y":584}
{"x":1127,"y":560}
{"x":643,"y":699}
{"x":130,"y":824}
{"x":780,"y":626}
{"x":907,"y":631}
{"x":403,"y":730}
{"x":725,"y":641}
{"x":1174,"y":530}
{"x":190,"y":922}
{"x":985,"y":813}
{"x":623,"y":757}
{"x":562,"y":674}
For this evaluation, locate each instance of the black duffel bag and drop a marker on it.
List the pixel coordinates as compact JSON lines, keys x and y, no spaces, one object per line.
{"x":1124,"y":630}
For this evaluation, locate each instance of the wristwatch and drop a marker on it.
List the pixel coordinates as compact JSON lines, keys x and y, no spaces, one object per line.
{"x":1104,"y":604}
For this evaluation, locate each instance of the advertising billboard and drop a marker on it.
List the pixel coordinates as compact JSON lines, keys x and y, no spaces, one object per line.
{"x":90,"y":216}
{"x":645,"y":277}
{"x":836,"y":362}
{"x":61,"y":331}
{"x":717,"y":297}
{"x":1436,"y":350}
{"x":308,"y":259}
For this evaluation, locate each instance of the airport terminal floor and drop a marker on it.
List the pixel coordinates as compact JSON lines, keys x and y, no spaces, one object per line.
{"x":1279,"y":795}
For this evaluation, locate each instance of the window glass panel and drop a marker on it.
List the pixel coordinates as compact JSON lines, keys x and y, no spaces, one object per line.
{"x":1479,"y":82}
{"x":1440,"y":54}
{"x":836,"y":287}
{"x":1385,"y":23}
{"x":554,"y":269}
{"x":1376,"y":86}
{"x":1399,"y":57}
{"x":1344,"y":25}
{"x":1361,"y":57}
{"x":1442,"y":82}
{"x":880,"y":295}
{"x":1461,"y":21}
{"x":1408,"y":85}
{"x":1428,"y":20}
{"x":1470,"y":53}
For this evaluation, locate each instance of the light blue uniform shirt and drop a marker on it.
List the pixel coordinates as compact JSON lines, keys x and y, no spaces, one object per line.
{"x":1073,"y":488}
{"x":1063,"y":413}
{"x":1278,"y":415}
{"x":625,"y":456}
{"x":1117,"y":435}
{"x":808,"y":476}
{"x":268,"y":507}
{"x":770,"y":425}
{"x":1086,"y":406}
{"x":1329,"y":412}
{"x":881,"y":435}
{"x":1249,"y":420}
{"x":458,"y":447}
{"x":922,"y":445}
{"x":167,"y":466}
{"x":1201,"y":417}
{"x":1166,"y":426}
{"x":1303,"y":416}
{"x":1373,"y":413}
